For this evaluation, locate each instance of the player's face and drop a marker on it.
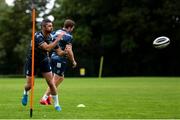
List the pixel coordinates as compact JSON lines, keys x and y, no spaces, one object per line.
{"x":49,"y":27}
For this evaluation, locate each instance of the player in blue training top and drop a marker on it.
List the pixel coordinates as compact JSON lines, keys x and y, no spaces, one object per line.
{"x":58,"y":62}
{"x":43,"y":44}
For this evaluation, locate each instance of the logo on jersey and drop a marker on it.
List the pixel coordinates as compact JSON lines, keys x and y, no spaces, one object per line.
{"x":58,"y":65}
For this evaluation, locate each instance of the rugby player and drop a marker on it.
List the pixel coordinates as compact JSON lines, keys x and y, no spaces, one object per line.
{"x":59,"y":63}
{"x":43,"y":44}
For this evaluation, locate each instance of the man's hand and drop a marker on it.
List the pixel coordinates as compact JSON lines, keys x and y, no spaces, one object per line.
{"x":70,"y":55}
{"x":74,"y":64}
{"x":59,"y":36}
{"x":60,"y":52}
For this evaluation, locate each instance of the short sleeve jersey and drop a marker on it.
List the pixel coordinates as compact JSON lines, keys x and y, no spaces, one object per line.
{"x":66,"y":39}
{"x":40,"y":54}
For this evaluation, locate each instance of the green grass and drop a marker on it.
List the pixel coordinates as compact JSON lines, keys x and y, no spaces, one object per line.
{"x":111,"y":98}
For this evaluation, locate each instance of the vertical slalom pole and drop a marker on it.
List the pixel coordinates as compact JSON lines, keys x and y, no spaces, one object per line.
{"x":32,"y":67}
{"x":101,"y":66}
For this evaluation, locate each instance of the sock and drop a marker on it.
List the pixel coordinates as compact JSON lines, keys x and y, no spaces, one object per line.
{"x":45,"y":97}
{"x":56,"y":101}
{"x":26,"y":92}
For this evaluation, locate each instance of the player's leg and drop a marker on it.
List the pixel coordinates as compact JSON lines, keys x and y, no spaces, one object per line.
{"x":46,"y":99}
{"x":27,"y":86}
{"x":53,"y":90}
{"x":58,"y":80}
{"x":47,"y":74}
{"x":58,"y":66}
{"x":49,"y":80}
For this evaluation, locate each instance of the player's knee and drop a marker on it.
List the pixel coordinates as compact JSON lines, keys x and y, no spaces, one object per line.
{"x":28,"y":87}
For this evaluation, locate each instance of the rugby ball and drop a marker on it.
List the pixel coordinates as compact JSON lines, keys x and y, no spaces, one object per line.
{"x":161,"y":42}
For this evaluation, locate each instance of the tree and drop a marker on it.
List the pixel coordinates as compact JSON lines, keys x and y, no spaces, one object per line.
{"x":120,"y":30}
{"x":16,"y":34}
{"x":126,"y":28}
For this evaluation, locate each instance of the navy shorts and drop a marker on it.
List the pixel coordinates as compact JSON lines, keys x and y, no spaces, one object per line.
{"x":58,"y":65}
{"x":43,"y":66}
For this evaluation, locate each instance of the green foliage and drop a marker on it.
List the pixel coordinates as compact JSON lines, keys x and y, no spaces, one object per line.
{"x":103,"y":27}
{"x":84,"y":33}
{"x":16,"y":33}
{"x":118,"y":21}
{"x":124,"y":27}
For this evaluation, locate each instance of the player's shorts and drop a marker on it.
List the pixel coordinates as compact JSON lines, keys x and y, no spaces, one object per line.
{"x":44,"y":66}
{"x":58,"y":65}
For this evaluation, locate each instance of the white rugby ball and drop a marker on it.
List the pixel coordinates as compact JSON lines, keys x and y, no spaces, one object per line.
{"x":161,"y":42}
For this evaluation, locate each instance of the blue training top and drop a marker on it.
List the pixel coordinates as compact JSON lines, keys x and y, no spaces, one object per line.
{"x":39,"y":53}
{"x":66,"y":39}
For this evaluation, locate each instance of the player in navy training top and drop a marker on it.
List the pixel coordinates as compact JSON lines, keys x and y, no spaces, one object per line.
{"x":58,"y":63}
{"x":43,"y":44}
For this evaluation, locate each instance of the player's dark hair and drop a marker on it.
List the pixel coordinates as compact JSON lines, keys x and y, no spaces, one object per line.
{"x":69,"y":23}
{"x":44,"y":22}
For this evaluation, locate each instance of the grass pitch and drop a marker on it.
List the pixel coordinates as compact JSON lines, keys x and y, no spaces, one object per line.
{"x":106,"y":98}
